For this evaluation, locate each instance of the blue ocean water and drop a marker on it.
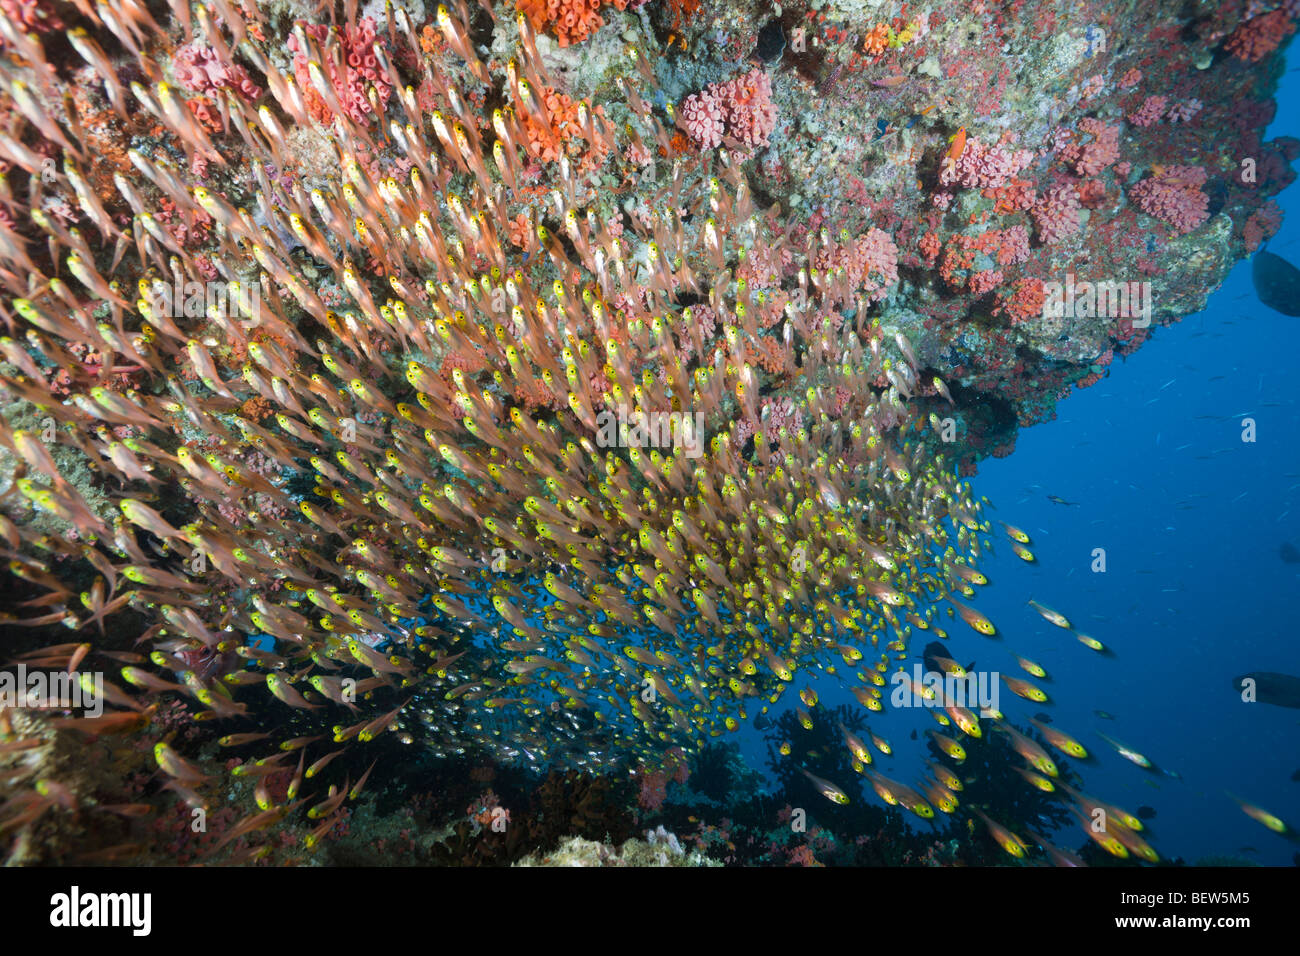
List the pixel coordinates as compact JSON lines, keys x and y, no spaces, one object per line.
{"x":1194,"y":593}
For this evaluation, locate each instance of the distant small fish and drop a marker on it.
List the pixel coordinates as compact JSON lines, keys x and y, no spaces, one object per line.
{"x":1104,"y":715}
{"x":826,"y":788}
{"x":1295,"y":777}
{"x":1146,"y":813}
{"x":1015,"y":534}
{"x":1289,"y":553}
{"x":1055,"y":617}
{"x":1057,"y":499}
{"x":1260,"y":815}
{"x":1045,"y":718}
{"x":1128,"y":753}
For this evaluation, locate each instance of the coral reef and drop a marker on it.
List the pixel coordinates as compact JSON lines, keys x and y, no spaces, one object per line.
{"x":546,"y":386}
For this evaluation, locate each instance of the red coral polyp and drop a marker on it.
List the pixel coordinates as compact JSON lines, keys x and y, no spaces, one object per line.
{"x":741,"y":108}
{"x":1173,"y":195}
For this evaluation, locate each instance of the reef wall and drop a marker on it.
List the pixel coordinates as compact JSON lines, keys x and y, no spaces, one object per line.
{"x":557,"y":383}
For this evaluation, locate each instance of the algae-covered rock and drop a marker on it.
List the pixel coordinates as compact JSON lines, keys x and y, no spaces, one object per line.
{"x":659,"y":848}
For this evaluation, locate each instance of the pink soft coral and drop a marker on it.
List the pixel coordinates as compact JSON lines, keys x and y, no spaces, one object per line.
{"x":747,"y":103}
{"x":1185,"y":111}
{"x":1262,"y":224}
{"x":1150,"y":112}
{"x":360,"y":72}
{"x":1131,"y":78}
{"x":1056,"y":214}
{"x":870,"y":262}
{"x":1013,"y":246}
{"x":985,"y":167}
{"x":1173,"y":195}
{"x":200,"y":68}
{"x":765,"y":265}
{"x":703,"y":117}
{"x":1025,"y":302}
{"x":986,"y":281}
{"x":1100,"y":149}
{"x":654,"y":790}
{"x":741,"y":108}
{"x":778,"y":414}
